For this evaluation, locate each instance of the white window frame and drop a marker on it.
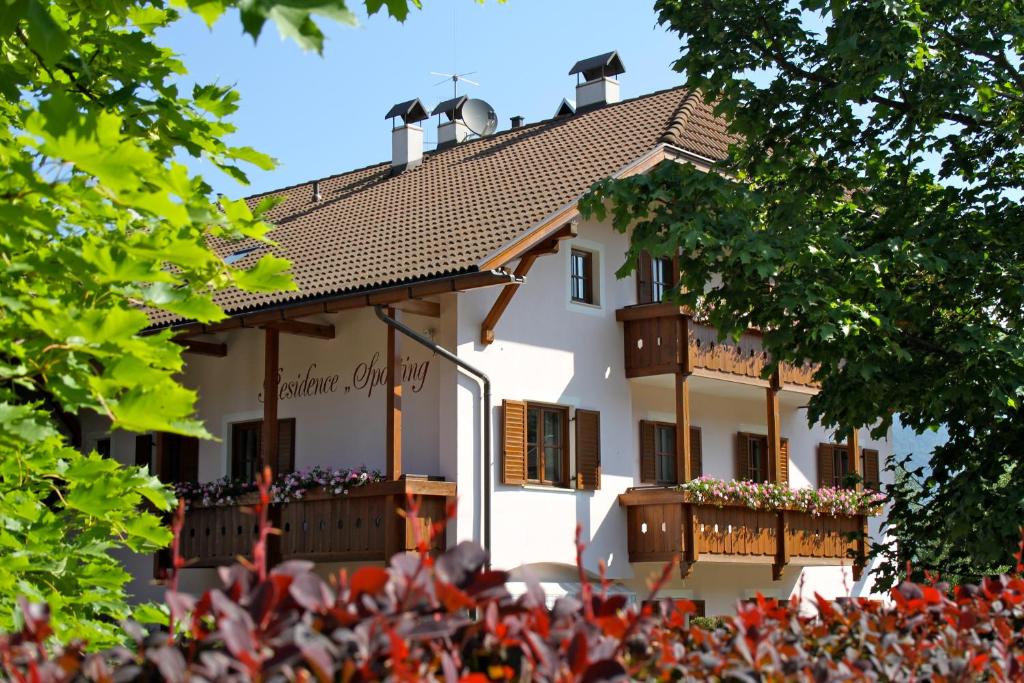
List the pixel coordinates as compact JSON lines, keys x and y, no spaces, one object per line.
{"x":596,"y":251}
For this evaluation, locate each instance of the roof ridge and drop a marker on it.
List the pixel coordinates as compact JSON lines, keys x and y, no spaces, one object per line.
{"x":673,"y":134}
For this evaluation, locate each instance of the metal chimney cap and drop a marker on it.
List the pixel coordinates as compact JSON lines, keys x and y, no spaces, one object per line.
{"x":411,"y":111}
{"x":451,"y":108}
{"x":592,"y":68}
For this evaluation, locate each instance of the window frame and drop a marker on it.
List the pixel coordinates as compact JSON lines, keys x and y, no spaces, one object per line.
{"x":257,"y":426}
{"x":585,"y":279}
{"x":839,"y":474}
{"x":762,"y":467}
{"x":563,"y":412}
{"x":670,"y":456}
{"x":660,"y":286}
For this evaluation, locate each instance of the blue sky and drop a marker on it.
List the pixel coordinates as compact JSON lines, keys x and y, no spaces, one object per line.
{"x":323,"y":115}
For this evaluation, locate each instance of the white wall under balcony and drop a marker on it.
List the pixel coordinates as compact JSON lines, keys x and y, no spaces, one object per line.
{"x":343,"y":423}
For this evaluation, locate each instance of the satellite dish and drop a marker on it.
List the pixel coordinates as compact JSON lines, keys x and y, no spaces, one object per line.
{"x":479,"y":117}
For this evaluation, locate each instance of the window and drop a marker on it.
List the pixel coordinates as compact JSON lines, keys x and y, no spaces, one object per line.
{"x":661,"y":278}
{"x":581,"y":276}
{"x":655,"y":277}
{"x":665,"y":453}
{"x":246,"y":443}
{"x":840,"y":464}
{"x":753,"y":457}
{"x":103,"y":447}
{"x":547,"y":429}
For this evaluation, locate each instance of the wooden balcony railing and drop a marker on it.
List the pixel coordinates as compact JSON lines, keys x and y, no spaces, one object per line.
{"x":361,"y":525}
{"x":653,"y":341}
{"x":663,"y":524}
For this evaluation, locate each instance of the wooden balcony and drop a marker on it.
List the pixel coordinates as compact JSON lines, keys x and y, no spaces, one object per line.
{"x":653,"y":341}
{"x":663,"y":524}
{"x":362,"y":525}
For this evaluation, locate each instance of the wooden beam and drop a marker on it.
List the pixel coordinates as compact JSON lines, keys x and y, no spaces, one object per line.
{"x":684,"y":471}
{"x":205,"y":348}
{"x":268,"y":452}
{"x":853,"y":443}
{"x":303,"y":329}
{"x":394,"y":404}
{"x":503,"y":300}
{"x":774,"y":438}
{"x":430,"y":309}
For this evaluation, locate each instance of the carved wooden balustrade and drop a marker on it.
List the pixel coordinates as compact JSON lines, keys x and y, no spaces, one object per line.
{"x":663,"y":524}
{"x":361,"y":525}
{"x":653,"y":346}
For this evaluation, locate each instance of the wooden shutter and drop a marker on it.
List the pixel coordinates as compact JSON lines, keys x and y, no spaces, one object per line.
{"x":872,"y":478}
{"x":701,"y":608}
{"x":644,"y":278}
{"x":144,"y":452}
{"x":286,"y":446}
{"x":696,"y":458}
{"x":588,"y":450}
{"x":826,"y":467}
{"x":784,"y":462}
{"x":513,"y":442}
{"x":188,"y":470}
{"x":742,"y":456}
{"x":648,"y":469}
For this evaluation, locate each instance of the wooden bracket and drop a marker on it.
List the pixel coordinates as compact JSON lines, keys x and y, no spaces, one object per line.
{"x":205,"y":348}
{"x":303,"y":329}
{"x":548,"y":246}
{"x":685,"y":568}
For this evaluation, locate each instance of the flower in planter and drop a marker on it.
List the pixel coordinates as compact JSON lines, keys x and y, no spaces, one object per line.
{"x":772,"y":496}
{"x":287,"y":487}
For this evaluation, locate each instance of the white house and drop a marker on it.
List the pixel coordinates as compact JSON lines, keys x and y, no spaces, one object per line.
{"x":523,"y":377}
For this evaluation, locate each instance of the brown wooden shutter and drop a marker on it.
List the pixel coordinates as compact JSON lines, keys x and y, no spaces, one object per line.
{"x":826,"y":467}
{"x":742,"y":455}
{"x":648,"y":469}
{"x":189,"y":468}
{"x":644,"y":278}
{"x":286,"y":446}
{"x":872,"y":478}
{"x":696,"y":457}
{"x":513,"y":442}
{"x":784,"y":462}
{"x":701,"y":608}
{"x":144,"y":451}
{"x":588,"y":450}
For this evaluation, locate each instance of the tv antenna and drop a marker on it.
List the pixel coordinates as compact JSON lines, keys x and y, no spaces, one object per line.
{"x":455,"y":79}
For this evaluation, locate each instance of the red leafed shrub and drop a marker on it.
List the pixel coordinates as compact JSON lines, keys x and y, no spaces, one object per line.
{"x":448,"y":618}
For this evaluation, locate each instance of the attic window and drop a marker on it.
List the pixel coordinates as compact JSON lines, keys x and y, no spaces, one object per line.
{"x":236,"y":256}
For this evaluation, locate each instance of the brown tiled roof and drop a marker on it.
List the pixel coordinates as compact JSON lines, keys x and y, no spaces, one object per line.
{"x":464,"y":203}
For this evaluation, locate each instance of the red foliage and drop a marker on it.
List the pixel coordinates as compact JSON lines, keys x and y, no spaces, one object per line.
{"x":448,"y":618}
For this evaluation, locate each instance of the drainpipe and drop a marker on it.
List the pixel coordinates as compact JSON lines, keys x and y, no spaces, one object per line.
{"x":485,"y":380}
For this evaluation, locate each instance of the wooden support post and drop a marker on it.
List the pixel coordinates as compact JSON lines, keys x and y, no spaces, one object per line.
{"x":853,"y":445}
{"x":691,"y":553}
{"x":774,"y":438}
{"x":862,"y":548}
{"x":684,"y":470}
{"x":271,"y":353}
{"x":394,"y":404}
{"x":782,"y":549}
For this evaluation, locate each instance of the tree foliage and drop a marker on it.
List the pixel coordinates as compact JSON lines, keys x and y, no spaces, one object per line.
{"x":100,"y":219}
{"x":869,"y":219}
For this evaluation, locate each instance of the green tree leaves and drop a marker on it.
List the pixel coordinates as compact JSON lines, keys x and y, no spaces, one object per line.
{"x":868,"y":220}
{"x":101,"y":225}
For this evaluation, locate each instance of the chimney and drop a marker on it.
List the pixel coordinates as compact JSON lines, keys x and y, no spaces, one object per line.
{"x":407,"y":139}
{"x":599,"y":86}
{"x":517,"y":122}
{"x":452,"y":129}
